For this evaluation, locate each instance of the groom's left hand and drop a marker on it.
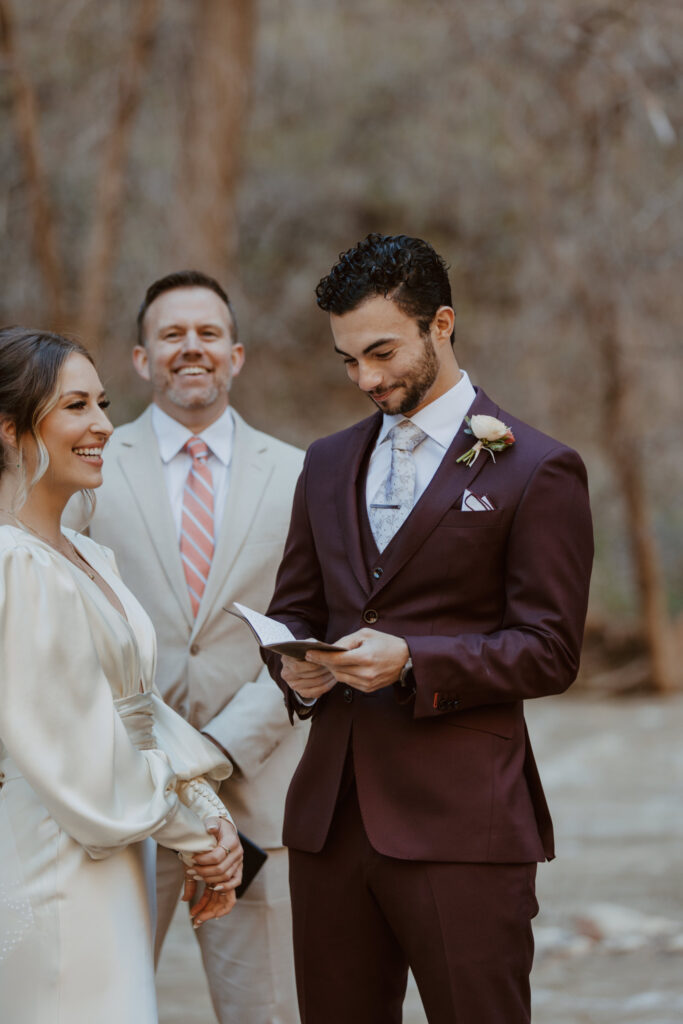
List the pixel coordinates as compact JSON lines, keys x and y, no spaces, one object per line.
{"x":371,"y":660}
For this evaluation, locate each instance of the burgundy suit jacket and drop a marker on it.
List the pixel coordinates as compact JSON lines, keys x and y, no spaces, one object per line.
{"x":492,"y":605}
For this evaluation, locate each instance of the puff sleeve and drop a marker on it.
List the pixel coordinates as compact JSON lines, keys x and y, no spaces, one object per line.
{"x":60,"y":727}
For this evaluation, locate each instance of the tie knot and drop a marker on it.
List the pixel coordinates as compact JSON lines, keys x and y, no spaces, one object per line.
{"x":197,"y":448}
{"x":406,"y":436}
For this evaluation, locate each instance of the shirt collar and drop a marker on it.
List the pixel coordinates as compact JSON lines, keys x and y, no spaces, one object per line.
{"x":441,"y":419}
{"x":172,"y":435}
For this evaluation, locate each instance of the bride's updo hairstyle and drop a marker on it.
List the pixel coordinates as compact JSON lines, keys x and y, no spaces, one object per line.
{"x":30,"y":365}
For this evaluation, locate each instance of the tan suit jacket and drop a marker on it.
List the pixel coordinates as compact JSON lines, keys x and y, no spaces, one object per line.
{"x":209,"y":669}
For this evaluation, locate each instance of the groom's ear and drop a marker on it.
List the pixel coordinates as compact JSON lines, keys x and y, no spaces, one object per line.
{"x":443,"y":324}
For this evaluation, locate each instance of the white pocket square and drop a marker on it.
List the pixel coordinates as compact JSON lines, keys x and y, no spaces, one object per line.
{"x":476,"y":502}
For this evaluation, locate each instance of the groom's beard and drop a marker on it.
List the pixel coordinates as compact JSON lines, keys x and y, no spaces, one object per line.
{"x":413,"y":388}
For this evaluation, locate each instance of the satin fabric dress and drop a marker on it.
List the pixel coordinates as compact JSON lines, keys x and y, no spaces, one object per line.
{"x":92,"y":763}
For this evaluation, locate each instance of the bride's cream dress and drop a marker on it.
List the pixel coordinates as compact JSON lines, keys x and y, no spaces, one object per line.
{"x":91,"y":764}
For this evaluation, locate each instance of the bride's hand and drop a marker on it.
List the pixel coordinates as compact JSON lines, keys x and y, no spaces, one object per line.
{"x":221,"y":867}
{"x":211,"y":903}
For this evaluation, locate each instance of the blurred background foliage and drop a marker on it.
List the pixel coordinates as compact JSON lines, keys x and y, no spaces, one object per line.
{"x":535,"y":143}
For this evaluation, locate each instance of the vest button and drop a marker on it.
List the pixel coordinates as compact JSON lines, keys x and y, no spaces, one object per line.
{"x":377,"y":573}
{"x":347,"y":694}
{"x":194,"y":648}
{"x":370,"y":616}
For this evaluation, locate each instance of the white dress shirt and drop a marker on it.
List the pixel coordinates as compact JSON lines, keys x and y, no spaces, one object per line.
{"x":440,"y":420}
{"x":172,"y":437}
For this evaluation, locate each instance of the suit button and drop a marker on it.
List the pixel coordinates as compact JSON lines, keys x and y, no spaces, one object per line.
{"x":370,"y":616}
{"x":347,"y":694}
{"x":194,"y":648}
{"x":377,"y":573}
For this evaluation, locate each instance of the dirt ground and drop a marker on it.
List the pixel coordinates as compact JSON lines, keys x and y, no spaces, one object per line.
{"x":609,"y":937}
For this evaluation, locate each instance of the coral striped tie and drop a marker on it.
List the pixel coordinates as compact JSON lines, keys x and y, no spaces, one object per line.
{"x":196,"y":527}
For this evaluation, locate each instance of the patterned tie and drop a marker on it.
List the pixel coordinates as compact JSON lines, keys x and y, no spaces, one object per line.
{"x":394,"y":500}
{"x":196,"y":526}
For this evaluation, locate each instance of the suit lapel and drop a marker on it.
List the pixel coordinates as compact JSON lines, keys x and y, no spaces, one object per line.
{"x":447,"y":485}
{"x":250,"y":470}
{"x":347,"y":472}
{"x":141,"y":466}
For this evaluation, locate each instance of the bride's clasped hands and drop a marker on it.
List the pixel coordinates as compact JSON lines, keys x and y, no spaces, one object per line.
{"x":213,"y":877}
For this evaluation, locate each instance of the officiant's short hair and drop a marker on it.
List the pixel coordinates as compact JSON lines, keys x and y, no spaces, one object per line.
{"x":182,"y":279}
{"x":406,"y":270}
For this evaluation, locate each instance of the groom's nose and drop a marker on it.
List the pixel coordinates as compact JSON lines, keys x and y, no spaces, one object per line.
{"x":369,"y":378}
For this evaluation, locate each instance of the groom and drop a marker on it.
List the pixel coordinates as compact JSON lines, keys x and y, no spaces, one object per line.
{"x":458,"y":588}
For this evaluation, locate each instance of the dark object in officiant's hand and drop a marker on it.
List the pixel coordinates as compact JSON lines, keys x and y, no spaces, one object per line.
{"x":254,"y":859}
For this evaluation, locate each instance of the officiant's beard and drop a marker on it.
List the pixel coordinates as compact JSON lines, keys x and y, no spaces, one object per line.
{"x":414,"y":386}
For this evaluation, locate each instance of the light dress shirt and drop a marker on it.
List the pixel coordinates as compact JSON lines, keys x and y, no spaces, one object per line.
{"x":440,"y":420}
{"x":171,"y":437}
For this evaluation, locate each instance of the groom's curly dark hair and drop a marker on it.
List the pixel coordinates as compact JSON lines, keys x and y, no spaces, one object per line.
{"x":406,"y":270}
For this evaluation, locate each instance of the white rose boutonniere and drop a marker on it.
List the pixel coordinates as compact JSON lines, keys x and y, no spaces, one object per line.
{"x":492,"y":436}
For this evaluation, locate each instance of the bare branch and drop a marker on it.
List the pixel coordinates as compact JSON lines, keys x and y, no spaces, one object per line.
{"x":217,"y":107}
{"x":25,"y":115}
{"x":107,"y":216}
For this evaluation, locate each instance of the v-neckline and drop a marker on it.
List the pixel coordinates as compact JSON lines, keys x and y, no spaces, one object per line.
{"x":120,"y":611}
{"x":82,"y":574}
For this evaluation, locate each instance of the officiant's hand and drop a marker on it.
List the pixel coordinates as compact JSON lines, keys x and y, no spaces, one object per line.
{"x":308,"y":681}
{"x":371,"y":660}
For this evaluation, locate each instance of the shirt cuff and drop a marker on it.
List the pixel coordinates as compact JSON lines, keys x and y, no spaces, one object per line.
{"x":305,"y":702}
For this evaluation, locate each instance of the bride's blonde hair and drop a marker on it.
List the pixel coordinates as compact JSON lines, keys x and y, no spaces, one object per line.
{"x":30,"y":364}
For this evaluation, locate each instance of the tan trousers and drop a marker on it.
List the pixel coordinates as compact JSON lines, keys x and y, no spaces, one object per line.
{"x":247,"y":955}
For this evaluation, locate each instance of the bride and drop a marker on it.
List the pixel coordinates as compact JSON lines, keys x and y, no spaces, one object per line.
{"x":92,"y":763}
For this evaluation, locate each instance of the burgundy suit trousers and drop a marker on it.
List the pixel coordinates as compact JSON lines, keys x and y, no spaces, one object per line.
{"x":362,"y":919}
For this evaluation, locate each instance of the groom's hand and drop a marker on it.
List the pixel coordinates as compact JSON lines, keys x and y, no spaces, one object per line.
{"x":308,"y":681}
{"x":371,"y":660}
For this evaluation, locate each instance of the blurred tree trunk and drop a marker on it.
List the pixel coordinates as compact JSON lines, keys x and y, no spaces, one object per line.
{"x":621,"y":439}
{"x":600,"y":127}
{"x":214,"y":119}
{"x":24,"y":110}
{"x":107,"y":215}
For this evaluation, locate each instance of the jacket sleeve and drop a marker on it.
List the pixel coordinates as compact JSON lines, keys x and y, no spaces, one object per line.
{"x":299,"y":598}
{"x":537,"y":647}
